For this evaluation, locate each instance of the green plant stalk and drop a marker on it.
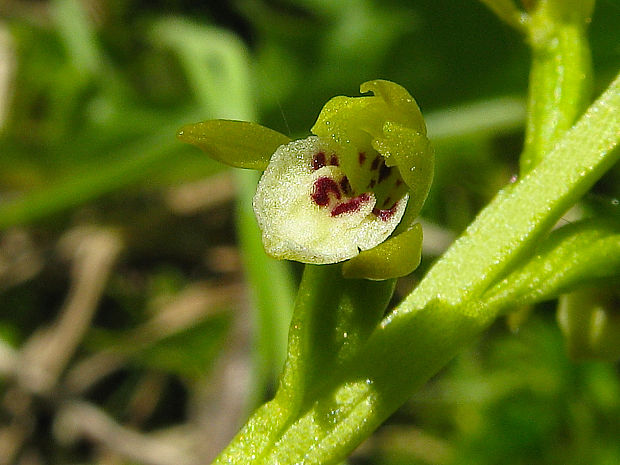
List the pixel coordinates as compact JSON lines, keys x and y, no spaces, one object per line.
{"x":333,"y":318}
{"x":443,"y":314}
{"x":560,"y":76}
{"x":573,"y":255}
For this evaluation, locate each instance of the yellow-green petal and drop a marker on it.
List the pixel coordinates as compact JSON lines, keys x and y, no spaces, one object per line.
{"x":401,"y":107}
{"x":396,"y":257}
{"x":353,"y":123}
{"x":237,"y":143}
{"x":387,"y":126}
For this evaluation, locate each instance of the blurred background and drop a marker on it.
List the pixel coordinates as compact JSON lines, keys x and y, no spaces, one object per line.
{"x":140,"y":321}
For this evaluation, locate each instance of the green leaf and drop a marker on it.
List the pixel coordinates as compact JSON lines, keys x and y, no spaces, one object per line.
{"x":237,"y":143}
{"x":396,"y":257}
{"x":572,"y":255}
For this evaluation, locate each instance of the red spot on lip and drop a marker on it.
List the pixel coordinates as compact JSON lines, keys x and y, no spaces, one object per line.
{"x":334,"y":161}
{"x":345,"y":185}
{"x":399,"y":182}
{"x":361,"y":158}
{"x":318,"y":161}
{"x":375,"y":163}
{"x":385,"y":214}
{"x":351,"y":205}
{"x":322,"y":188}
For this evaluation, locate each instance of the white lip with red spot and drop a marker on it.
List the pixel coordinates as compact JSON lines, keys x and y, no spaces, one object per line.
{"x":307,"y":211}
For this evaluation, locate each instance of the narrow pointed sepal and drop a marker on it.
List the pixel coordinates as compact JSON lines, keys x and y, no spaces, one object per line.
{"x":240,"y":144}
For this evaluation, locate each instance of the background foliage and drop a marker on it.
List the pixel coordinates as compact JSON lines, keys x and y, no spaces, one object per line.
{"x":128,"y":329}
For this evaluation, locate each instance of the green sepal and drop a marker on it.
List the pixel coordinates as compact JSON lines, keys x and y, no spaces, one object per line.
{"x":236,"y":143}
{"x":411,"y":152}
{"x":396,"y":257}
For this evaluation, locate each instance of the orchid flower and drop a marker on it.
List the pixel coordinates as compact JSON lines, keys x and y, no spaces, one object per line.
{"x":349,"y":192}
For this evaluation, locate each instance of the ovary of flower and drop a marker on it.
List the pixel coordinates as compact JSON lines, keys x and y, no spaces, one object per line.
{"x":307,"y":210}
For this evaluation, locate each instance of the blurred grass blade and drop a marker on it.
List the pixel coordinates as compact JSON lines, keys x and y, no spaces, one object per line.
{"x":133,"y":163}
{"x":216,"y":63}
{"x":272,"y":288}
{"x":217,"y":66}
{"x":78,"y":35}
{"x":480,"y":118}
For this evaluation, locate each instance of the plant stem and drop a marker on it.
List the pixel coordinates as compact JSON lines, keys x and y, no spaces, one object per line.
{"x":560,"y":75}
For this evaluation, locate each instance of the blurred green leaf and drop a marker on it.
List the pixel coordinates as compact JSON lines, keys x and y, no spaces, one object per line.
{"x":590,"y":321}
{"x":132,"y":163}
{"x":507,"y":11}
{"x":189,"y":353}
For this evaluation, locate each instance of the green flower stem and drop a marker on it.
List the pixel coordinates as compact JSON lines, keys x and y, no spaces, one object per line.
{"x":332,"y":320}
{"x":444,"y":313}
{"x":560,"y":75}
